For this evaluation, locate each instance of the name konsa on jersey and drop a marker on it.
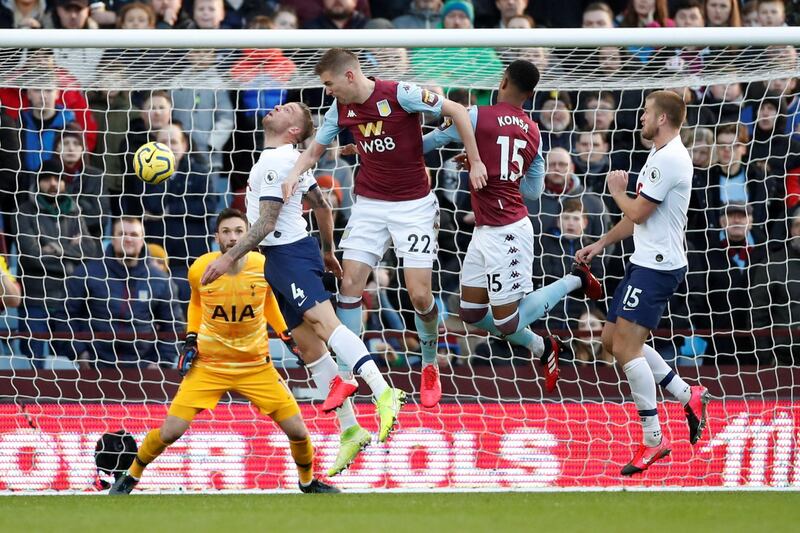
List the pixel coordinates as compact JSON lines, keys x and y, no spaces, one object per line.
{"x":375,"y":138}
{"x":508,"y":120}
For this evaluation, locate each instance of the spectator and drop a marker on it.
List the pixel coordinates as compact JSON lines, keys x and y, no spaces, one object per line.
{"x":776,"y":298}
{"x":689,"y":14}
{"x":10,"y":291}
{"x":123,"y":302}
{"x":520,"y":22}
{"x":207,"y":113}
{"x":719,"y":284}
{"x":381,"y":316}
{"x":454,"y":67}
{"x":178,"y":211}
{"x":285,"y":18}
{"x":510,"y":9}
{"x":158,"y":258}
{"x":723,"y":13}
{"x":587,"y":347}
{"x":598,"y":15}
{"x":69,"y":96}
{"x":591,"y":159}
{"x":771,"y":148}
{"x":645,"y":14}
{"x":732,"y":180}
{"x":561,"y":185}
{"x":308,"y":10}
{"x":53,"y":240}
{"x":74,"y":15}
{"x":424,"y":14}
{"x":700,"y":142}
{"x":12,"y":181}
{"x":771,"y":13}
{"x":555,"y":121}
{"x":41,"y":124}
{"x":208,"y":14}
{"x":23,"y":13}
{"x":554,"y":255}
{"x":136,"y":16}
{"x":156,"y":114}
{"x":750,"y":13}
{"x":338,"y":14}
{"x":84,"y":183}
{"x":723,"y":103}
{"x":170,"y":14}
{"x":598,"y":113}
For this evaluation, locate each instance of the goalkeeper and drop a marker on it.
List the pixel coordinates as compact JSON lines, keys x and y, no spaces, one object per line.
{"x":226,"y":350}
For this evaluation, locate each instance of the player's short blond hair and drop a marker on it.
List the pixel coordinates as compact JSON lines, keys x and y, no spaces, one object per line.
{"x":670,"y":104}
{"x":307,"y":123}
{"x":336,"y":61}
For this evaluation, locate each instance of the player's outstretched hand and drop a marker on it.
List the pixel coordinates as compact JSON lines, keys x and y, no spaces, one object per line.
{"x":332,"y":264}
{"x":188,"y":353}
{"x":617,"y":181}
{"x":348,"y":149}
{"x":477,"y":175}
{"x":289,"y":187}
{"x":587,"y":253}
{"x":216,"y":268}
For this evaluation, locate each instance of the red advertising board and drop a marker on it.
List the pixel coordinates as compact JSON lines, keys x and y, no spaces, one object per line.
{"x":488,"y":446}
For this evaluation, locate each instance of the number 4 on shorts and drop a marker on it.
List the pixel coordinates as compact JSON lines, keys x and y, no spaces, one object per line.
{"x":297,"y":293}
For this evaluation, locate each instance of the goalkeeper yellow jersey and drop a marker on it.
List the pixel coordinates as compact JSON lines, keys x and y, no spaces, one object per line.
{"x":230,"y":315}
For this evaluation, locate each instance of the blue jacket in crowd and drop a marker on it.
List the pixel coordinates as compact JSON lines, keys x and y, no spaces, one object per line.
{"x":118,"y":303}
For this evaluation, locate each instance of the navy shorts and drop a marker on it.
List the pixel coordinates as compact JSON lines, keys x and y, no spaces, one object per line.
{"x":643,"y":294}
{"x":294,"y":271}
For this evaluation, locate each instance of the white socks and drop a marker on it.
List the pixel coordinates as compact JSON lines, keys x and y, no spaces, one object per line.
{"x":643,"y":390}
{"x":666,"y":377}
{"x":354,"y":353}
{"x":323,"y":370}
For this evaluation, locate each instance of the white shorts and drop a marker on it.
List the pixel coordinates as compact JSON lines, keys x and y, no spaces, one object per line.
{"x":500,"y":259}
{"x":411,"y":225}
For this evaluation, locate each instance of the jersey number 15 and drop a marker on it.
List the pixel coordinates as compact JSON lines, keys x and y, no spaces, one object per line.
{"x":515,"y":157}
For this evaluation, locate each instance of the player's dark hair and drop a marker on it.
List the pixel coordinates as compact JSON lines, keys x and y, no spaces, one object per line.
{"x":230,"y":212}
{"x":523,"y":75}
{"x":336,"y":60}
{"x":671,"y":105}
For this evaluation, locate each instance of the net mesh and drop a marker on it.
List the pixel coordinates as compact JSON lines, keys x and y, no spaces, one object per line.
{"x":92,"y":346}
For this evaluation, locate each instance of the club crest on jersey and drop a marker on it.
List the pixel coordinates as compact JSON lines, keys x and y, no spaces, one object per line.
{"x":446,"y":123}
{"x":271,"y":176}
{"x":654,"y":175}
{"x":429,"y":98}
{"x":384,"y":109}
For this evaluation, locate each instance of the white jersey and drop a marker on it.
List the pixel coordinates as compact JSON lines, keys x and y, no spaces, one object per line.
{"x":264,"y":183}
{"x":666,"y":179}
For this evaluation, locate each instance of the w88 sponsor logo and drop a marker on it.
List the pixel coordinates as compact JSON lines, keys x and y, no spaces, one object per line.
{"x":384,"y":144}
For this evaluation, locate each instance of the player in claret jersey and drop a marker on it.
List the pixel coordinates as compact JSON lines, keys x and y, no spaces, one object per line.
{"x":657,"y":219}
{"x":498,"y":267}
{"x":394,"y":200}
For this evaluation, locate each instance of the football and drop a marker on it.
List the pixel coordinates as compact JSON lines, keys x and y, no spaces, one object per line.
{"x":154,"y":162}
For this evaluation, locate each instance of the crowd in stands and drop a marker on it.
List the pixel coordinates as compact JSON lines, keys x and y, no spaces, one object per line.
{"x":100,"y":258}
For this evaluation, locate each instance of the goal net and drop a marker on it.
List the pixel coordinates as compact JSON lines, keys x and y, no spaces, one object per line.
{"x":92,"y":346}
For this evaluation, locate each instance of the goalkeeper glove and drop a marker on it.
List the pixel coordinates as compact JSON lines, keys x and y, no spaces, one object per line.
{"x":188,"y":353}
{"x":288,"y":340}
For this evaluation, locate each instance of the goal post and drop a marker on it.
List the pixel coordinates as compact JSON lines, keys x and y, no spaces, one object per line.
{"x":90,"y":351}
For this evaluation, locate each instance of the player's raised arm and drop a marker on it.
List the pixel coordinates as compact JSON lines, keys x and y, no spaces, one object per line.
{"x":269,"y":211}
{"x":458,"y":114}
{"x":324,"y":216}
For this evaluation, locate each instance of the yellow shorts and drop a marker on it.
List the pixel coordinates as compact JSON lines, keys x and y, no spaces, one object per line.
{"x":262,"y":385}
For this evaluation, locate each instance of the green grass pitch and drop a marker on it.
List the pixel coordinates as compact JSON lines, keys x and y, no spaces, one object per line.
{"x":673,"y":512}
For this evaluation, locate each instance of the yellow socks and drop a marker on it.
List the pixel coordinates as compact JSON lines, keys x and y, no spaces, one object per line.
{"x":152,"y":446}
{"x":303,"y":455}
